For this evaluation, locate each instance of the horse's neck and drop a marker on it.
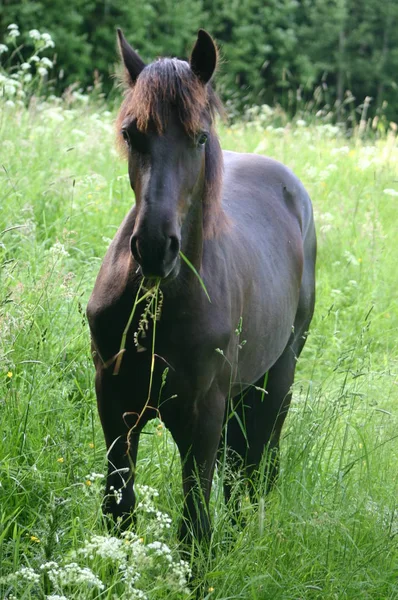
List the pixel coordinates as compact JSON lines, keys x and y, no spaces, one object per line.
{"x":192,"y":233}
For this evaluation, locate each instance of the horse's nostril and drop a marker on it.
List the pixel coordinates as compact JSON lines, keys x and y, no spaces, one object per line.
{"x":135,"y":248}
{"x":174,"y":244}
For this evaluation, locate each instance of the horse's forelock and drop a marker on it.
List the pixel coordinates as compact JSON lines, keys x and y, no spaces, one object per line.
{"x":167,"y":83}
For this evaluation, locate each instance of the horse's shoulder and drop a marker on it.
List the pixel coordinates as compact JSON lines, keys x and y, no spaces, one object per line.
{"x":116,"y":276}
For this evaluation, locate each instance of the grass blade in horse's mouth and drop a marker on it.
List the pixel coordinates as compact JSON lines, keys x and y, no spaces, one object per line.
{"x":190,"y":265}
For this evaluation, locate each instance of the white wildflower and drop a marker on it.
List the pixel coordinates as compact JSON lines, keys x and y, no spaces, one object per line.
{"x":79,"y":133}
{"x":12,"y":26}
{"x":146,"y":495}
{"x":311,"y":171}
{"x":364,"y":163}
{"x":47,"y":62}
{"x":161,"y":549}
{"x":25,"y":66}
{"x":104,"y":546}
{"x":328,"y":130}
{"x":164,"y":521}
{"x":55,"y":114}
{"x":56,"y":597}
{"x":390,"y":192}
{"x":46,"y":37}
{"x":14,"y":33}
{"x":34,"y":34}
{"x":3,"y":48}
{"x":42,"y":71}
{"x":34,"y":58}
{"x":58,"y":249}
{"x":342,"y":150}
{"x":147,"y":491}
{"x":73,"y":574}
{"x":329,"y":169}
{"x":10,"y":90}
{"x":10,"y":104}
{"x":27,"y":77}
{"x":92,"y":476}
{"x":51,"y":565}
{"x":118,"y":495}
{"x":130,"y":575}
{"x":301,"y":123}
{"x":26,"y":573}
{"x":182,"y":573}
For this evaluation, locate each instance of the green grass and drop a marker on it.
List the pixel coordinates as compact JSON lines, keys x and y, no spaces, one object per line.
{"x":330,"y":528}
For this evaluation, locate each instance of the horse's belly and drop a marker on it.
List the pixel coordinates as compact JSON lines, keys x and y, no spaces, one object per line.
{"x":267,"y":324}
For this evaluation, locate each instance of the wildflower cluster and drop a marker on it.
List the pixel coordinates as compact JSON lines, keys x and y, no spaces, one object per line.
{"x":71,"y":575}
{"x":146,"y":495}
{"x":135,"y":565}
{"x":18,"y":81}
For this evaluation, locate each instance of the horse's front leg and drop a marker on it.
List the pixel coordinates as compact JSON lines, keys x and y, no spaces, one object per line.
{"x":197,"y":434}
{"x":122,"y":445}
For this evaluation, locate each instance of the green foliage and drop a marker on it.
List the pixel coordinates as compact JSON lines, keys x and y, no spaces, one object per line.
{"x":296,"y":54}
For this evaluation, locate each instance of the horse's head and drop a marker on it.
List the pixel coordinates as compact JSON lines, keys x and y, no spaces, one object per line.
{"x":165,"y":125}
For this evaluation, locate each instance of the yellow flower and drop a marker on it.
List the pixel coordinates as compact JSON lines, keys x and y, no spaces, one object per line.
{"x":60,"y":460}
{"x":33,"y":538}
{"x":88,"y":482}
{"x":211,"y":589}
{"x":9,"y":374}
{"x":359,"y":260}
{"x":91,"y":445}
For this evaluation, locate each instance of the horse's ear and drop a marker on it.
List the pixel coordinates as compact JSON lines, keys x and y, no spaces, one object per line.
{"x":203,"y":59}
{"x":131,"y":60}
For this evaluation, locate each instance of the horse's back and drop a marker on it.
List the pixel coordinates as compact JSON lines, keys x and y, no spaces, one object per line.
{"x":259,"y":189}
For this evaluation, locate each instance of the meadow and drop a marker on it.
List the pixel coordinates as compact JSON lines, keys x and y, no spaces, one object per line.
{"x":329,"y":530}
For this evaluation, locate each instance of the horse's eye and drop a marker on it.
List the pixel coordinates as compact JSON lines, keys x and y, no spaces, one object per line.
{"x":126,"y":136}
{"x":202,"y":139}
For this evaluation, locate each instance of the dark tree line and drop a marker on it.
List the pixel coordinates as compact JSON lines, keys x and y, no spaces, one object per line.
{"x":292,"y":52}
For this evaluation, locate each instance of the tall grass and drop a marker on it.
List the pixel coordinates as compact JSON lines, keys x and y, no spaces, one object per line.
{"x":330,"y":528}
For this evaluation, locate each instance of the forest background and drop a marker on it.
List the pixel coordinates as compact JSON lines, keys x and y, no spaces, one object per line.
{"x":299,"y":54}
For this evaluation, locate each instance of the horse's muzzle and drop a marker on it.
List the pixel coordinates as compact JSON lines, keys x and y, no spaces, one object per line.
{"x":156,"y":257}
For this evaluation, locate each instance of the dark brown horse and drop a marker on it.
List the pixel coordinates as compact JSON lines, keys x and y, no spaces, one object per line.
{"x":245,"y":223}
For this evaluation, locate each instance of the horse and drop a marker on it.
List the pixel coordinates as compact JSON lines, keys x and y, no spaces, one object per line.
{"x":228,"y":240}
